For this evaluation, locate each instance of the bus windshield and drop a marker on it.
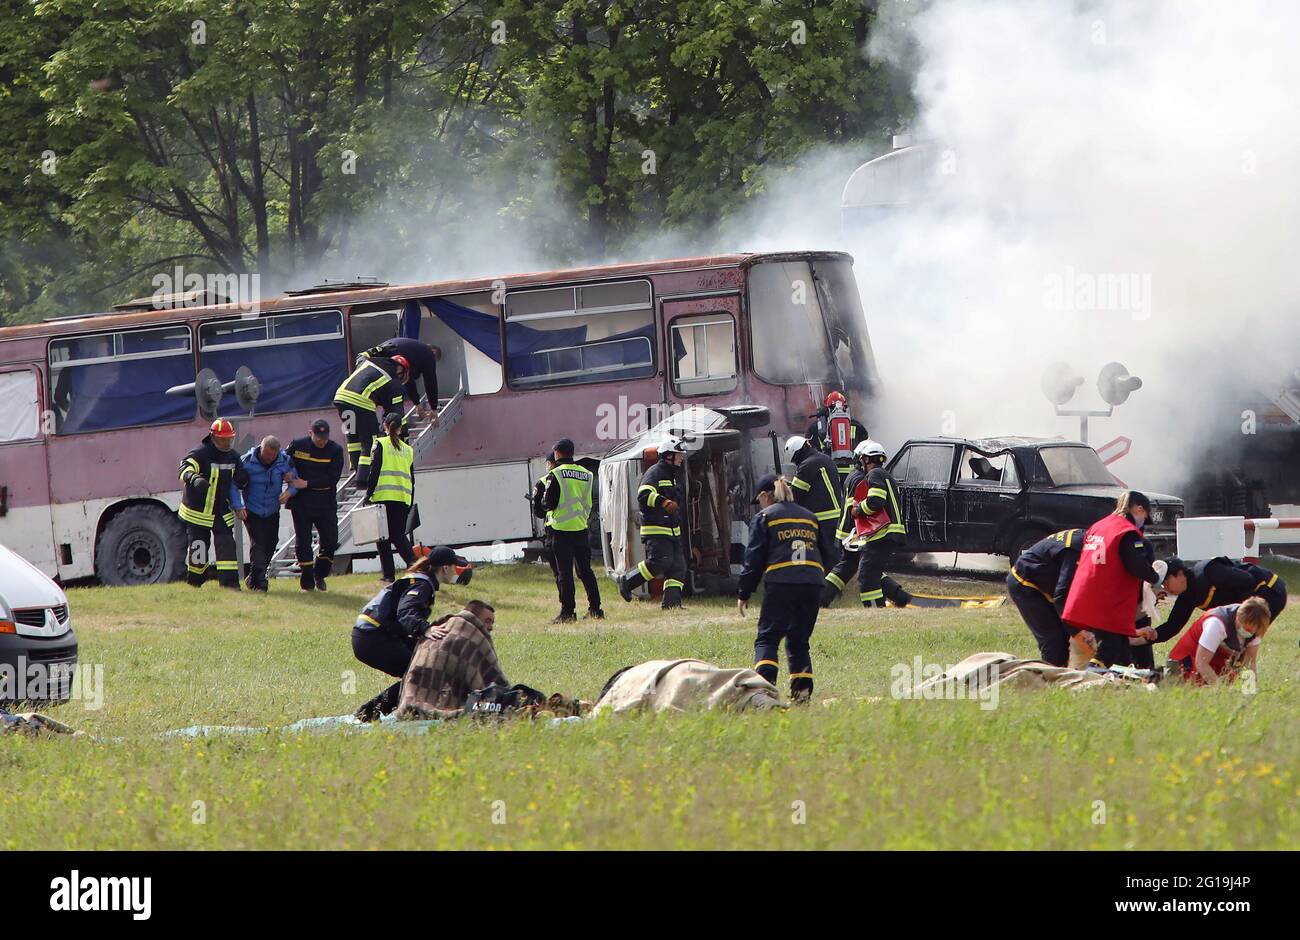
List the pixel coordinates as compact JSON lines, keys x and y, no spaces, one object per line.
{"x":807,"y":324}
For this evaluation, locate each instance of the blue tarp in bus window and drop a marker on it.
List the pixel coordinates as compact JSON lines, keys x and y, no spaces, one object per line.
{"x":122,"y":394}
{"x":524,"y":345}
{"x":294,"y":376}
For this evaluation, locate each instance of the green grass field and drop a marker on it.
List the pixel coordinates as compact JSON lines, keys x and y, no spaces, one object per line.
{"x":1182,"y":768}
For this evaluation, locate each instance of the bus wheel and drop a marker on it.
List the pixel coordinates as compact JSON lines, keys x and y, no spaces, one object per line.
{"x":140,"y":545}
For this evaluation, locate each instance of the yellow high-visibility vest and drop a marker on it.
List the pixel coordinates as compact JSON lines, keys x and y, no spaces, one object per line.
{"x":394,"y":484}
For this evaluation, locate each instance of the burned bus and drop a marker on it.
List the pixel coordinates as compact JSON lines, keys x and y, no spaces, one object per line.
{"x":90,"y":441}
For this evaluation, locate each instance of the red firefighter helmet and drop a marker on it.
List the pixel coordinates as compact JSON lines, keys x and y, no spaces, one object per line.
{"x":836,"y":398}
{"x":402,"y":363}
{"x":222,"y":428}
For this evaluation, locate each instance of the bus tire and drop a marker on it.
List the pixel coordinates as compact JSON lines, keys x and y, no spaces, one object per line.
{"x":142,"y":544}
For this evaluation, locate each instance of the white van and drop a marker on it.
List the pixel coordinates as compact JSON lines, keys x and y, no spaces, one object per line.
{"x":38,"y":650}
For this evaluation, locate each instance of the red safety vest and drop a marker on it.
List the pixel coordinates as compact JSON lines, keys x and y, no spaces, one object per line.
{"x":1103,"y":595}
{"x":1185,"y":648}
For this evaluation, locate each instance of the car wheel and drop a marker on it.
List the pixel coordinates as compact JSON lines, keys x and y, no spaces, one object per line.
{"x":1024,"y":539}
{"x":140,"y":545}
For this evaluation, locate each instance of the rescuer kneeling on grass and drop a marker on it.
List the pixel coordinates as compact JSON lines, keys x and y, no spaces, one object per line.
{"x":785,"y":551}
{"x":1216,"y":582}
{"x":390,"y":625}
{"x":1107,"y":589}
{"x":392,"y":485}
{"x":1039,"y":583}
{"x":659,"y":499}
{"x":567,"y":500}
{"x":455,"y":656}
{"x":210,"y":474}
{"x":1226,"y":637}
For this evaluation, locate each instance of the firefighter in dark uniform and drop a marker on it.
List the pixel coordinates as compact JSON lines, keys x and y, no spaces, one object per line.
{"x":878,"y":548}
{"x":320,"y":462}
{"x":819,"y":433}
{"x":817,"y":487}
{"x":785,"y":551}
{"x":208,"y":473}
{"x":849,"y":558}
{"x":1214,"y":583}
{"x":660,"y":501}
{"x":1039,"y":583}
{"x":422,"y":361}
{"x":567,"y":500}
{"x":375,"y":383}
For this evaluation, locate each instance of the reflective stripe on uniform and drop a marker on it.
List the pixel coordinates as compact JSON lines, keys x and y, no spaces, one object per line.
{"x":871,"y":595}
{"x":799,"y":484}
{"x":653,"y":498}
{"x":787,"y":564}
{"x":660,"y":530}
{"x":1030,"y":584}
{"x":670,"y":583}
{"x":833,"y":578}
{"x":573,"y":511}
{"x":767,"y":662}
{"x":827,"y":515}
{"x":645,"y":571}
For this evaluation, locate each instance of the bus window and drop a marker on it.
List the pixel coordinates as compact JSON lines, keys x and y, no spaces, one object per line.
{"x":20,"y":407}
{"x":371,"y":329}
{"x":789,"y":337}
{"x":704,"y":354}
{"x":467,"y":328}
{"x":300,"y":359}
{"x":571,"y":335}
{"x":104,"y":381}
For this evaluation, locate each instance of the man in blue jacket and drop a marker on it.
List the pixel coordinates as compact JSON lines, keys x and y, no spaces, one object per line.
{"x":271,"y":481}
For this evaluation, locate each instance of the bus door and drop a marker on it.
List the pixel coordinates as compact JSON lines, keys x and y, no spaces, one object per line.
{"x":26,"y":517}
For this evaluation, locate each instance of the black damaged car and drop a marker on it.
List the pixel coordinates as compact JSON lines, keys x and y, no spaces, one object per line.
{"x":1001,"y":495}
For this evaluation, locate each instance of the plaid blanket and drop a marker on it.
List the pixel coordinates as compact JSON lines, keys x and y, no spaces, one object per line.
{"x":454,"y":657}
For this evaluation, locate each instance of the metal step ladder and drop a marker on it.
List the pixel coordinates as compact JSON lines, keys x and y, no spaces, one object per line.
{"x":422,"y":437}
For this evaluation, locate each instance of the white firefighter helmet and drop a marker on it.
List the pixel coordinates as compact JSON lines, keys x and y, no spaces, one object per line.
{"x":673,"y":445}
{"x":869,"y":448}
{"x":793,"y":444}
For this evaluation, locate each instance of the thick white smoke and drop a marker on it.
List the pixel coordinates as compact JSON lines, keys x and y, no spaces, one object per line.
{"x":1077,"y":147}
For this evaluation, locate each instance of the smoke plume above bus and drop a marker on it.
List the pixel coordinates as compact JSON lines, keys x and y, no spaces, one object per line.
{"x":1111,"y":181}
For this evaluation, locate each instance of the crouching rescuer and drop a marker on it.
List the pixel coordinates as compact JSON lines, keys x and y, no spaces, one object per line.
{"x":785,"y":551}
{"x":659,"y":499}
{"x":210,"y":473}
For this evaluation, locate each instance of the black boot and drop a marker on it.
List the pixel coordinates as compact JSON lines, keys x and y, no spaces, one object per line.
{"x":306,"y":579}
{"x":566,"y":618}
{"x":323,"y":568}
{"x":627,"y":583}
{"x":595,"y":613}
{"x":382,"y":704}
{"x":896,"y":593}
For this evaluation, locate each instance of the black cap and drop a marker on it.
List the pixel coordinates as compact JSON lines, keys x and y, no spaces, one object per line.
{"x":1173,"y":566}
{"x":320,"y":426}
{"x":1139,"y":499}
{"x":766,"y":484}
{"x":441,"y":555}
{"x":564,"y":446}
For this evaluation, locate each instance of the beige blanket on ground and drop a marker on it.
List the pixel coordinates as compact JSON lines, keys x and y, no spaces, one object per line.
{"x":1003,"y":669}
{"x":687,"y":685}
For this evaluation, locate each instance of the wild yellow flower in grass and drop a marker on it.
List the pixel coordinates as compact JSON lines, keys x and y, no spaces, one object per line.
{"x":1262,"y":769}
{"x":1111,"y":759}
{"x":532,"y":807}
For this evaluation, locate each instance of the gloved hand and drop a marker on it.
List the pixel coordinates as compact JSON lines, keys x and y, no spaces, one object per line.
{"x":199,"y":482}
{"x":670,"y":506}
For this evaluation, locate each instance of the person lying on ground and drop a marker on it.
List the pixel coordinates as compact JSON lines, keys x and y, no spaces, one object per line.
{"x":456,"y":656}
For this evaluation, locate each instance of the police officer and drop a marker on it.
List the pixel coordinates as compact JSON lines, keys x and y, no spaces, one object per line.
{"x":422,"y":361}
{"x":660,"y":501}
{"x":567,"y":500}
{"x":389,"y":626}
{"x":392,"y":485}
{"x":538,"y":503}
{"x":826,"y":435}
{"x":878,"y":546}
{"x":375,"y":383}
{"x":1039,"y":583}
{"x":209,"y":473}
{"x":319,"y":461}
{"x":1215,"y":582}
{"x":785,"y":550}
{"x":817,"y":488}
